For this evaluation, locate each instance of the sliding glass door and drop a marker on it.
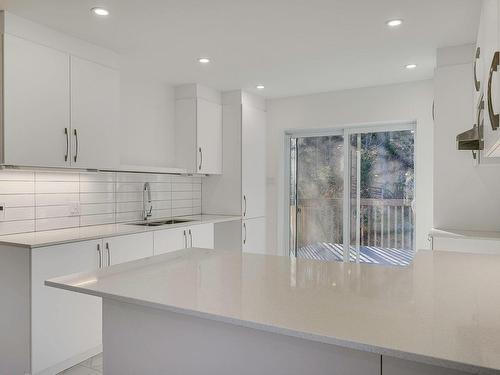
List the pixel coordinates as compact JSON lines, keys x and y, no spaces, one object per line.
{"x":353,"y":192}
{"x":318,"y":192}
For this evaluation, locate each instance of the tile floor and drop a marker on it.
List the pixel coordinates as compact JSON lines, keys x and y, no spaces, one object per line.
{"x":92,"y":366}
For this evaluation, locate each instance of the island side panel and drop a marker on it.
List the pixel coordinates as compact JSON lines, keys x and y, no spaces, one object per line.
{"x":143,"y":340}
{"x":15,"y":310}
{"x":397,"y":366}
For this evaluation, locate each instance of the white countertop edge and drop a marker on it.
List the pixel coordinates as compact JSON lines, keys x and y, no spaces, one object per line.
{"x":416,"y":357}
{"x":465,"y":234}
{"x":131,"y":229}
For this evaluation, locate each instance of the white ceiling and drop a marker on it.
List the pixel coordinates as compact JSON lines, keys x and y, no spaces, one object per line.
{"x":292,"y":46}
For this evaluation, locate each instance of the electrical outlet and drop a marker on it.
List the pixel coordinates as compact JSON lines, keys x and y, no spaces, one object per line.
{"x":2,"y":211}
{"x":74,"y":208}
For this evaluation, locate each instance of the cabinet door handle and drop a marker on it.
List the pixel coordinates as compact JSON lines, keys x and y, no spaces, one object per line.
{"x":494,"y":117}
{"x":245,"y":205}
{"x":67,"y":144}
{"x":76,"y":143}
{"x":477,"y":83}
{"x":190,"y":239}
{"x":201,"y":158}
{"x":480,"y":109}
{"x":245,"y":236}
{"x":99,"y":253}
{"x":185,"y":240}
{"x":109,"y":254}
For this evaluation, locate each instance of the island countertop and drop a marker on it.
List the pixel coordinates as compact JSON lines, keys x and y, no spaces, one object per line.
{"x":443,"y":309}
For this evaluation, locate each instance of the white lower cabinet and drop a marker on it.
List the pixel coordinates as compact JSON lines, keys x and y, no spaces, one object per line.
{"x":202,"y":236}
{"x":123,"y":249}
{"x":253,"y":236}
{"x":182,"y":238}
{"x":170,"y":240}
{"x":64,"y":325}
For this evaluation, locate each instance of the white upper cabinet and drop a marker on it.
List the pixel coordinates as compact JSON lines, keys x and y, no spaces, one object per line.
{"x":253,"y":161}
{"x":488,"y":42}
{"x":198,"y":129}
{"x":58,"y":110}
{"x":209,"y":137}
{"x":95,"y":92}
{"x":36,"y":104}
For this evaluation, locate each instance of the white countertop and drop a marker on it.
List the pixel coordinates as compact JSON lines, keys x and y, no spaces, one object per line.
{"x":465,"y":234}
{"x":61,"y":236}
{"x":443,"y":309}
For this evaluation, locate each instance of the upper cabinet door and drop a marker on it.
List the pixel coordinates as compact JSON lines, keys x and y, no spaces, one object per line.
{"x":36,"y":104}
{"x":209,"y":137}
{"x":95,"y":95}
{"x":253,"y":160}
{"x":489,"y":39}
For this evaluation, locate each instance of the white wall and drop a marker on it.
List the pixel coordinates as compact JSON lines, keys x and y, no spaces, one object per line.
{"x":466,"y":195}
{"x":147,"y":121}
{"x":383,"y":104}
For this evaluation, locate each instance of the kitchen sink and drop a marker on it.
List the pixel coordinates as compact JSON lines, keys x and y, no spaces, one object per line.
{"x":161,"y":222}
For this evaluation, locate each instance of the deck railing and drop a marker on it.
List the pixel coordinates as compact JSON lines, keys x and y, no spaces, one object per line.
{"x":383,"y":222}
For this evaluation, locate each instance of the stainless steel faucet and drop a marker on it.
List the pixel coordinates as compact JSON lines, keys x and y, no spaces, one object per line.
{"x":147,"y":204}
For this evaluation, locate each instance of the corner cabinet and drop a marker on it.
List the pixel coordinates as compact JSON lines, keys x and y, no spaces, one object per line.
{"x":198,"y":129}
{"x":58,"y":110}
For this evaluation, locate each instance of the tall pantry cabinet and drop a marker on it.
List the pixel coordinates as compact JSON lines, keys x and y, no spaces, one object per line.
{"x":241,"y":190}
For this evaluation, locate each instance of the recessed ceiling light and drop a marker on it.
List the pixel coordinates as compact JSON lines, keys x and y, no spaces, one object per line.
{"x":203,"y":60}
{"x":260,"y":87}
{"x":394,"y":23}
{"x":411,"y":66}
{"x":98,"y":11}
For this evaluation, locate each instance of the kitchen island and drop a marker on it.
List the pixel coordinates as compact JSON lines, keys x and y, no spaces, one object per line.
{"x":220,"y":312}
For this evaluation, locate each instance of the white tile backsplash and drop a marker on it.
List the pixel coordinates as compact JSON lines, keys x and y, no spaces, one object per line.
{"x":45,"y":200}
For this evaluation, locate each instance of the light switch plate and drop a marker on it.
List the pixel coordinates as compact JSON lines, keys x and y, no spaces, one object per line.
{"x":74,"y":208}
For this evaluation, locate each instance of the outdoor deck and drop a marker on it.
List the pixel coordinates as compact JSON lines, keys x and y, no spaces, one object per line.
{"x":368,"y":254}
